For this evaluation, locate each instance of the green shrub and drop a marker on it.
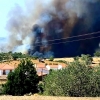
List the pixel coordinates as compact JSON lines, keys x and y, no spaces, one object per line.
{"x":41,"y":87}
{"x":51,"y":58}
{"x":76,"y":80}
{"x":97,"y":54}
{"x":62,"y":61}
{"x":35,"y":57}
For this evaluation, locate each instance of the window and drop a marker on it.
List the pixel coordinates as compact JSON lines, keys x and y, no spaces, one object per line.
{"x":4,"y":72}
{"x":10,"y":70}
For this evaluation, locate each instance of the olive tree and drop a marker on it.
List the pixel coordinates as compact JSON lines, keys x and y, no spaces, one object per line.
{"x":78,"y":79}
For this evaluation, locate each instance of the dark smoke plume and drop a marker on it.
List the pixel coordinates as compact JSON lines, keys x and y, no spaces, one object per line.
{"x":33,"y":31}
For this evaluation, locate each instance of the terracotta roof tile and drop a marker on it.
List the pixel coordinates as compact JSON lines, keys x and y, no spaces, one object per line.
{"x":1,"y":65}
{"x":6,"y":67}
{"x":40,"y":65}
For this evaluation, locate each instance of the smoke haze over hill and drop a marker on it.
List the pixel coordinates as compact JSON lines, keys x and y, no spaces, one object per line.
{"x":32,"y":31}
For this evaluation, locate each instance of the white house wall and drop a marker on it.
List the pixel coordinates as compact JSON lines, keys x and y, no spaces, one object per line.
{"x":0,"y":72}
{"x":7,"y":72}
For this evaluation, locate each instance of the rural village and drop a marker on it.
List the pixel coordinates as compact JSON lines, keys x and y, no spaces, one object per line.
{"x":49,"y":49}
{"x":42,"y":66}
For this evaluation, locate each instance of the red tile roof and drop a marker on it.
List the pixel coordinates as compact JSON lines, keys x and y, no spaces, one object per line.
{"x":6,"y":67}
{"x":40,"y":65}
{"x":1,"y":65}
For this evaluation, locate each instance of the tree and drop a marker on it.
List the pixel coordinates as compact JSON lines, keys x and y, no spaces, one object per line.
{"x":17,"y":55}
{"x":87,"y":59}
{"x":51,"y":58}
{"x":23,"y":80}
{"x":76,"y":58}
{"x":76,"y":80}
{"x":97,"y":54}
{"x":5,"y":56}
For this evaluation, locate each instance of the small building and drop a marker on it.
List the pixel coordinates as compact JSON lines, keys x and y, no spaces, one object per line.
{"x":4,"y":71}
{"x":43,"y":69}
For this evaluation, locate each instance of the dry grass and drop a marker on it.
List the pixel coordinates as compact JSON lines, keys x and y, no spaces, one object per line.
{"x":46,"y":98}
{"x":95,"y":59}
{"x":65,"y":59}
{"x":16,"y":62}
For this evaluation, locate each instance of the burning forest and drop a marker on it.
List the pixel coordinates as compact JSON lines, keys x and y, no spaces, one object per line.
{"x":59,"y":28}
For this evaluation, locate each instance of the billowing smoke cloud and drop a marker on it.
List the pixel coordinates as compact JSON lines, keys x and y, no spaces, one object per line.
{"x":38,"y":30}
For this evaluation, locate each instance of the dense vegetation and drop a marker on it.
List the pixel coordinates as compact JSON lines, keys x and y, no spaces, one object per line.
{"x":78,"y":79}
{"x":18,"y":55}
{"x":14,"y":56}
{"x":23,"y":80}
{"x":97,"y":54}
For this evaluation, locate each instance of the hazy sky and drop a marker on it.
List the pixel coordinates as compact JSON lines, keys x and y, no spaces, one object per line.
{"x":5,"y":7}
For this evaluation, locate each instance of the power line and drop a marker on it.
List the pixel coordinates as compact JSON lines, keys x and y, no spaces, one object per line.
{"x":71,"y":41}
{"x":75,"y":36}
{"x":71,"y":37}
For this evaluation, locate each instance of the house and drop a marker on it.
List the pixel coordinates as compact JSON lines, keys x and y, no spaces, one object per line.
{"x":40,"y":68}
{"x":43,"y":69}
{"x":56,"y":67}
{"x":4,"y":71}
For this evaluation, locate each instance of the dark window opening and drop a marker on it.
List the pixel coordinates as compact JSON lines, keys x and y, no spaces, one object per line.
{"x":10,"y":70}
{"x":4,"y":72}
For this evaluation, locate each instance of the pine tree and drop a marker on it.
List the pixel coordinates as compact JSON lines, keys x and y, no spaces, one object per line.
{"x":23,"y":80}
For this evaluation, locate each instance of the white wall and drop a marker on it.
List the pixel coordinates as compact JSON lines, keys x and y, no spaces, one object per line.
{"x":0,"y":72}
{"x":6,"y":71}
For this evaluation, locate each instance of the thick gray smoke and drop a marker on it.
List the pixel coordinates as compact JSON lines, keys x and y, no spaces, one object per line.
{"x":45,"y":20}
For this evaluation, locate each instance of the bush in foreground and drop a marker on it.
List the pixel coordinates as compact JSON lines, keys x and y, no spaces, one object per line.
{"x":77,"y":80}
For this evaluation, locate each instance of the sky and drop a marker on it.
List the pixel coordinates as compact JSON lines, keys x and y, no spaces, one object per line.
{"x":5,"y":8}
